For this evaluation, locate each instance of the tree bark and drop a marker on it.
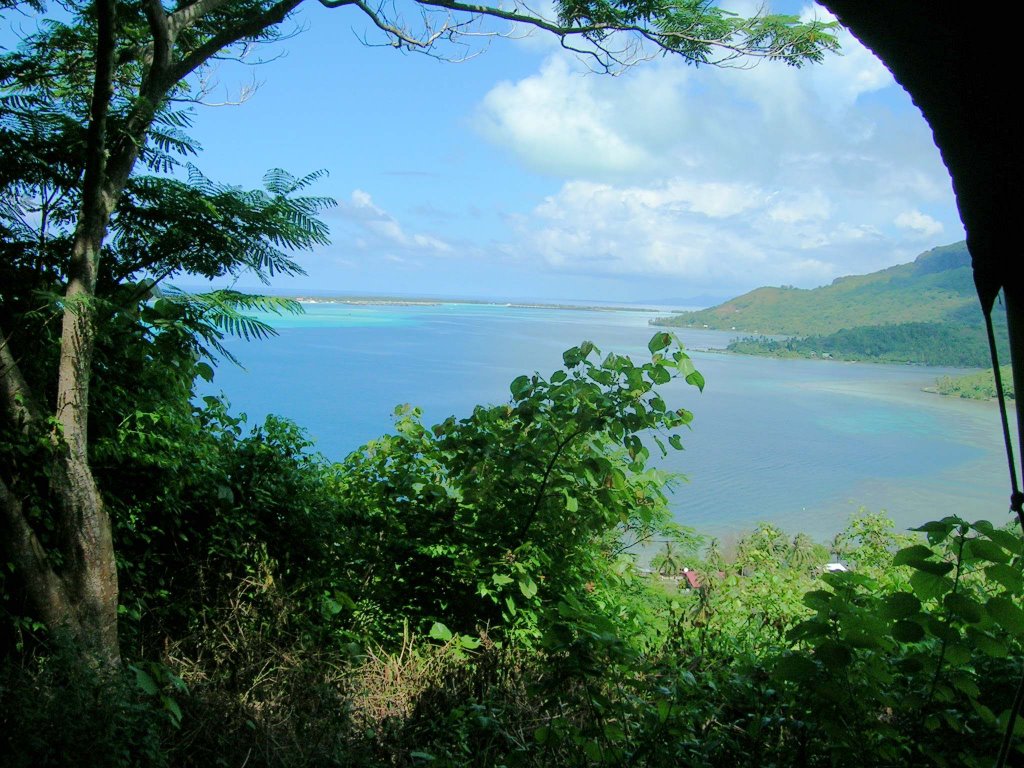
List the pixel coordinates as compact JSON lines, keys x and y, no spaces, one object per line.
{"x":86,"y":538}
{"x":77,"y":591}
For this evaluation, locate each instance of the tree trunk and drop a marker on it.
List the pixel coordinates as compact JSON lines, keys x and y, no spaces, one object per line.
{"x":86,"y":539}
{"x":77,"y":592}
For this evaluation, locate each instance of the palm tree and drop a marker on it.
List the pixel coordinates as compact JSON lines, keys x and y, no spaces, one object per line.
{"x":802,"y":552}
{"x":667,"y":563}
{"x":713,"y":560}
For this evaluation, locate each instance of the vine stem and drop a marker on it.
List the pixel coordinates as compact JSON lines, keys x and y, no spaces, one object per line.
{"x":942,"y":647}
{"x":535,"y":509}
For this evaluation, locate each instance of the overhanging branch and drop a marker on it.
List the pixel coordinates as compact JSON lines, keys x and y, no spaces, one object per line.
{"x":761,"y":37}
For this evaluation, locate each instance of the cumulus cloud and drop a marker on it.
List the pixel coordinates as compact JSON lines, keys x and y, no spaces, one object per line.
{"x":556,"y":123}
{"x":704,"y":234}
{"x":920,"y":223}
{"x":723,"y":177}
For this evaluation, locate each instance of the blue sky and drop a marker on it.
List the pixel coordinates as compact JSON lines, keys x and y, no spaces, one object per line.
{"x":517,"y":174}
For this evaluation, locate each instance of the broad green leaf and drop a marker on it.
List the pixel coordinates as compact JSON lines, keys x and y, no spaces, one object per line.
{"x":614,"y":732}
{"x":1006,"y":614}
{"x":795,"y":668}
{"x":912,"y":554}
{"x":899,"y":605}
{"x":958,"y":654}
{"x":964,"y":682}
{"x":936,"y":530}
{"x":144,"y":681}
{"x":1011,"y":542}
{"x":983,"y":549}
{"x":818,"y":599}
{"x":439,"y":631}
{"x":695,"y":379}
{"x":664,"y":710}
{"x":659,"y":375}
{"x":172,"y":709}
{"x":528,"y":587}
{"x":1006,"y":576}
{"x":659,"y":341}
{"x":962,"y":606}
{"x":864,"y":631}
{"x":907,"y":631}
{"x":833,"y":655}
{"x":519,"y":387}
{"x":928,"y":586}
{"x":1004,"y":718}
{"x":990,"y":646}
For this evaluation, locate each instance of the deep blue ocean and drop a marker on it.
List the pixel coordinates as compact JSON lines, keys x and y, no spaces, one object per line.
{"x":800,"y":443}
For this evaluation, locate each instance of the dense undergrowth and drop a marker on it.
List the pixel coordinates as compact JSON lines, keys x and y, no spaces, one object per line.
{"x":467,"y":594}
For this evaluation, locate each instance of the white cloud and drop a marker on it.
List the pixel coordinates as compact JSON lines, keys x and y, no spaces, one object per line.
{"x":920,"y":223}
{"x":556,"y":123}
{"x":709,"y":235}
{"x":721,"y":177}
{"x":378,"y":228}
{"x":792,"y":207}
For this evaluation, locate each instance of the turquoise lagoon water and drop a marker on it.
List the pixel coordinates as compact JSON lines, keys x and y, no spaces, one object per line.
{"x":800,"y":443}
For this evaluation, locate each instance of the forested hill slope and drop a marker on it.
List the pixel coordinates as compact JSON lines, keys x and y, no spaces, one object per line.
{"x":937,"y":287}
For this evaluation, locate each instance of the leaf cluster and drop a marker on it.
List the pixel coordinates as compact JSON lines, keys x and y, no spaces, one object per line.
{"x":492,"y":520}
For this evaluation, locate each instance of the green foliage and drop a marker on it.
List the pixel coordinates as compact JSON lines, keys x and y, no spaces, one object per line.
{"x":920,"y":343}
{"x":977,"y":386}
{"x":868,"y":544}
{"x":55,"y":712}
{"x":519,"y":511}
{"x":164,"y":227}
{"x":927,"y":653}
{"x":696,"y":30}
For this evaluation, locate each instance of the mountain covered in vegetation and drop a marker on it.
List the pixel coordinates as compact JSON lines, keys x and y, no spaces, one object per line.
{"x":924,"y":312}
{"x":936,"y":287}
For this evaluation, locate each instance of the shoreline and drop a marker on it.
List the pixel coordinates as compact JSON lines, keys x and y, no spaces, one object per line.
{"x":386,"y":301}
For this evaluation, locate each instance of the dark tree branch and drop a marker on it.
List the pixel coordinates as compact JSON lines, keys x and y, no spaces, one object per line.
{"x":542,"y":489}
{"x":249,"y":28}
{"x":18,"y":399}
{"x":46,"y":590}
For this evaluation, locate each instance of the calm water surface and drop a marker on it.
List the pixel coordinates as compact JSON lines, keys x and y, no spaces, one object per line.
{"x":801,"y":443}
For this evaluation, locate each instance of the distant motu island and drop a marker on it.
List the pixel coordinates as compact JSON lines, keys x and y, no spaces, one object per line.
{"x":401,"y":301}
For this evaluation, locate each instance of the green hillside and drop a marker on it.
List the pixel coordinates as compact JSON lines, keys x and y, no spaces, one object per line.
{"x":977,"y":386}
{"x":936,"y":287}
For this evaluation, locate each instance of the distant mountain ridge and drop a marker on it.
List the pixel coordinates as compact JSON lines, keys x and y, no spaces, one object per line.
{"x":937,"y":287}
{"x":925,"y":312}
